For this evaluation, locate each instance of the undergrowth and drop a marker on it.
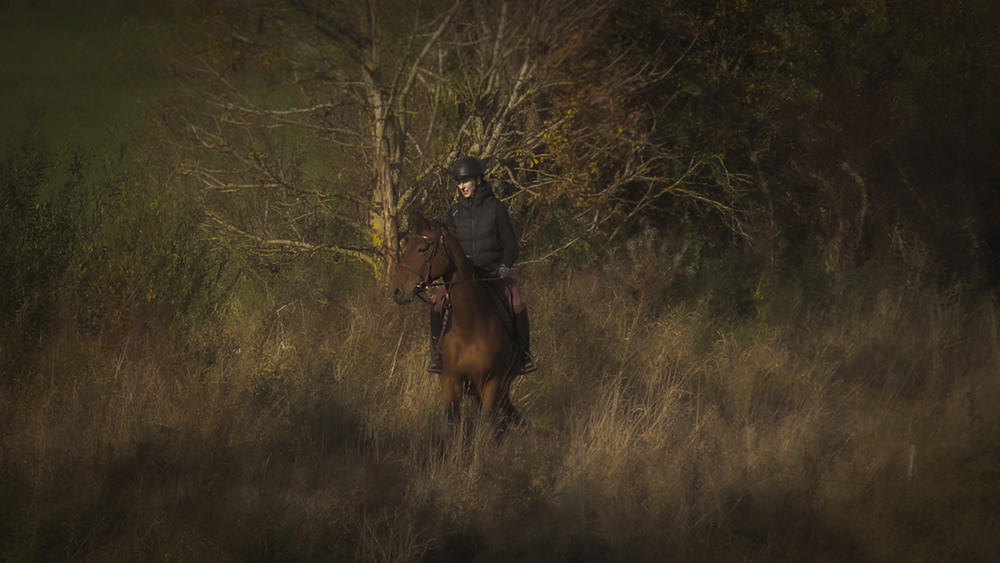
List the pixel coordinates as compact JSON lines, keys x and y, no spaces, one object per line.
{"x":307,"y":429}
{"x":162,"y":402}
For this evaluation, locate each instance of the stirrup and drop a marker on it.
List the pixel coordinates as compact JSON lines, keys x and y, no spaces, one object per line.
{"x":528,"y":364}
{"x":434,"y":365}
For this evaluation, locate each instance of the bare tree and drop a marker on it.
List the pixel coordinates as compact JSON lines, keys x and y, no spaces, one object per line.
{"x":324,"y":120}
{"x":347,"y":98}
{"x":554,"y":98}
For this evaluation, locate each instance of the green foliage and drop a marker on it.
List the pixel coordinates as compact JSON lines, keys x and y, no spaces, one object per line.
{"x":89,"y":245}
{"x":564,"y":237}
{"x":38,"y":240}
{"x":860,"y":124}
{"x":75,"y":72}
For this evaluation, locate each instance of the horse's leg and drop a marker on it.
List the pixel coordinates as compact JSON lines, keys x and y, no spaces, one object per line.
{"x":472,"y":391}
{"x":509,"y":412}
{"x":451,"y":392}
{"x":495,"y":407}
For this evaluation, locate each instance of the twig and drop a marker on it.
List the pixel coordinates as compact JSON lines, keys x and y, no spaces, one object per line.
{"x":550,"y":254}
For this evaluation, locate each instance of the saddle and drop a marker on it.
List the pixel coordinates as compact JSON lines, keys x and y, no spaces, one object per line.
{"x":504,"y":305}
{"x":501,"y":299}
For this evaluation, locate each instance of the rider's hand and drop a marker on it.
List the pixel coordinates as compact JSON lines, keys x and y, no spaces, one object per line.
{"x":503,"y":271}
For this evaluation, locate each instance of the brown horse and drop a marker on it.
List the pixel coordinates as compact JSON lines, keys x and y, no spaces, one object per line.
{"x":477,"y":352}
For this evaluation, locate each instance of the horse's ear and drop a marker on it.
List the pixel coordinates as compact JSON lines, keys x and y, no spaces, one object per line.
{"x":417,"y":221}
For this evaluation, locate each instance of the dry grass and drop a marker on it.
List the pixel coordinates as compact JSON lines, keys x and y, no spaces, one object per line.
{"x":309,"y":432}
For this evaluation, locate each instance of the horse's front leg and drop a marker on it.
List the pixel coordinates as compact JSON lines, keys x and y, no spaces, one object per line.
{"x":451,"y":392}
{"x":510,"y":414}
{"x":494,"y":407}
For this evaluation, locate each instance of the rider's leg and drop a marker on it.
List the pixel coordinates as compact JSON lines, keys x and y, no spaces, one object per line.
{"x":524,"y":337}
{"x":436,"y":327}
{"x":521,"y":326}
{"x":436,"y":324}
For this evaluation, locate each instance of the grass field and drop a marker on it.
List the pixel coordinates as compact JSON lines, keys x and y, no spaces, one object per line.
{"x":305,"y":429}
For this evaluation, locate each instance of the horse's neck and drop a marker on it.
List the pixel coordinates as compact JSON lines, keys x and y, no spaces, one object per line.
{"x":460,"y":272}
{"x":465,"y":293}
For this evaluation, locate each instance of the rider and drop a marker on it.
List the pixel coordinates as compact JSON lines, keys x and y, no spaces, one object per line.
{"x":485,"y":232}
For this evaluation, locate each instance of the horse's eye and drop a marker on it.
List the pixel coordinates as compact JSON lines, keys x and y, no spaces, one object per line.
{"x":423,"y":250}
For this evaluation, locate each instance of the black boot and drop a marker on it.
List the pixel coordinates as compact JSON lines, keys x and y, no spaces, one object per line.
{"x":528,"y":364}
{"x":437,"y":324}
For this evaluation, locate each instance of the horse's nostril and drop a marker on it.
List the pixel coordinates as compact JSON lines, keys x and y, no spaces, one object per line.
{"x":397,"y":294}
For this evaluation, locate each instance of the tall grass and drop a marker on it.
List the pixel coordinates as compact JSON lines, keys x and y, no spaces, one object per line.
{"x":301,"y":426}
{"x":161,"y":402}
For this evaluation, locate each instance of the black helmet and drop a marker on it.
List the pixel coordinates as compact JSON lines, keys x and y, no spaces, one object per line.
{"x":467,"y":166}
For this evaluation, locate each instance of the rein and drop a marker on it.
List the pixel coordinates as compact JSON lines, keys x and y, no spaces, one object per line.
{"x":425,"y":277}
{"x":426,"y":281}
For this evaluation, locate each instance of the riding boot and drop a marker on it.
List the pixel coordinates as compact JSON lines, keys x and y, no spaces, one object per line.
{"x":437,"y":325}
{"x":524,"y":339}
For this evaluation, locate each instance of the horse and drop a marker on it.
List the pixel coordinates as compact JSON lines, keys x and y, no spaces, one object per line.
{"x":478,"y":353}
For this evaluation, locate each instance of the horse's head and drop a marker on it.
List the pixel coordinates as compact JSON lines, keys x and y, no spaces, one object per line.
{"x":423,"y":260}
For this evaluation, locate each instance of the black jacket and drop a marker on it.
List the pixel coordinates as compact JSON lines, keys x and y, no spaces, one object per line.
{"x":484,"y":229}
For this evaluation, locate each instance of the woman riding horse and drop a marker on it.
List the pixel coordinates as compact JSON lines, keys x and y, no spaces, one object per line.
{"x":477,"y":350}
{"x":485,"y":232}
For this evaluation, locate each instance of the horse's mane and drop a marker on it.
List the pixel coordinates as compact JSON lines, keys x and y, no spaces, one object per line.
{"x":454,"y":247}
{"x":449,"y":238}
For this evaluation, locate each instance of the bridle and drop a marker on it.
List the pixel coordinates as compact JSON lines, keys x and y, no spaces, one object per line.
{"x":424,"y":273}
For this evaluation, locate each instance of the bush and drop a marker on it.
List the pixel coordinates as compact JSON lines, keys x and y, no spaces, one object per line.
{"x":89,"y":247}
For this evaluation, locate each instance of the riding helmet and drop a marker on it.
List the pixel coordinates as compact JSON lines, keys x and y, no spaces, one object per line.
{"x":467,"y":166}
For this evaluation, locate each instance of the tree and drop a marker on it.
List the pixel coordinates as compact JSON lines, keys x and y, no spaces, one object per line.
{"x":288,"y":88}
{"x":558,"y":96}
{"x":321,"y":122}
